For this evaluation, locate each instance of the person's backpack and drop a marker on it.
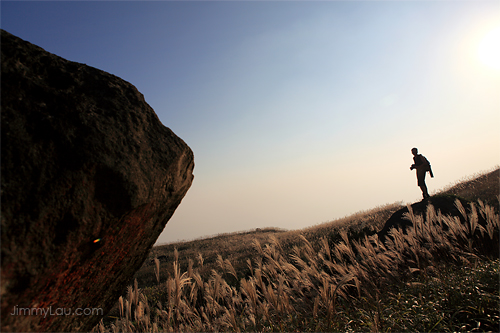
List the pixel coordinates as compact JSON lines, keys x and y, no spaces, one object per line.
{"x":427,"y":164}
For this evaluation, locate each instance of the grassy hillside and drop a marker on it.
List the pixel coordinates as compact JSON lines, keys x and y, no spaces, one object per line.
{"x":238,"y":247}
{"x":330,"y":277}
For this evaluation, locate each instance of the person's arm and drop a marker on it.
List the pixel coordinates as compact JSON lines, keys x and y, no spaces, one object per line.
{"x":418,"y":162}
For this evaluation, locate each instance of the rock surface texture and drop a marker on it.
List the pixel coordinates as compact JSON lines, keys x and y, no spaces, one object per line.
{"x":89,"y":179}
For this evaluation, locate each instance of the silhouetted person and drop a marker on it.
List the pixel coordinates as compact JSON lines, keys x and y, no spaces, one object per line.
{"x":422,"y":165}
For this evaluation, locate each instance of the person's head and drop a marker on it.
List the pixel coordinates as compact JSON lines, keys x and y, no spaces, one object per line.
{"x":414,"y":151}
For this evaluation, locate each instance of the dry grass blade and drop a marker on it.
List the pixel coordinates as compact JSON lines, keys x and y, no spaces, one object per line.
{"x":157,"y":269}
{"x":229,"y":268}
{"x":200,"y":259}
{"x":326,"y":247}
{"x":257,"y":246}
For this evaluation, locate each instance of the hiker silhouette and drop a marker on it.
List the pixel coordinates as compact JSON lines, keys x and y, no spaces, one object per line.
{"x":422,"y":165}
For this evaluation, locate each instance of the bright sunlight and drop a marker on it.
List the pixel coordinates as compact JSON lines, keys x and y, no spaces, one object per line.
{"x":489,"y":49}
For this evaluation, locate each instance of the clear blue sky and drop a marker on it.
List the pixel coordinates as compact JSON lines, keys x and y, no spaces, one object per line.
{"x":297,"y":112}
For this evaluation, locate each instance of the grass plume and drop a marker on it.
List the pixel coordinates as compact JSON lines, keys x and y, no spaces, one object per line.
{"x":341,"y":279}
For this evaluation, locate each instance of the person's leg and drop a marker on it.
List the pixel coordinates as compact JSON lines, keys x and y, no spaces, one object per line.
{"x":421,"y":183}
{"x":425,"y":194}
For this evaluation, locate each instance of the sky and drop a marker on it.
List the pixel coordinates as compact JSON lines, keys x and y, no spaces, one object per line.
{"x":300,"y":112}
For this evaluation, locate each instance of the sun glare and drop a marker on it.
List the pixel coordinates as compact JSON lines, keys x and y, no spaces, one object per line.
{"x":489,"y":49}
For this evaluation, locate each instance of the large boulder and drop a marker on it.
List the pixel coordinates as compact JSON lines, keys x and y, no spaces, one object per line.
{"x":89,"y":179}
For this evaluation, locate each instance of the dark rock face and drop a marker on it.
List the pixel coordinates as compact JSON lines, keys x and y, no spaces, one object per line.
{"x":444,"y":204}
{"x":89,"y":179}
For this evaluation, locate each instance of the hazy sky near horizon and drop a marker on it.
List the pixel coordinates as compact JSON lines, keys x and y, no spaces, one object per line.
{"x":297,"y":112}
